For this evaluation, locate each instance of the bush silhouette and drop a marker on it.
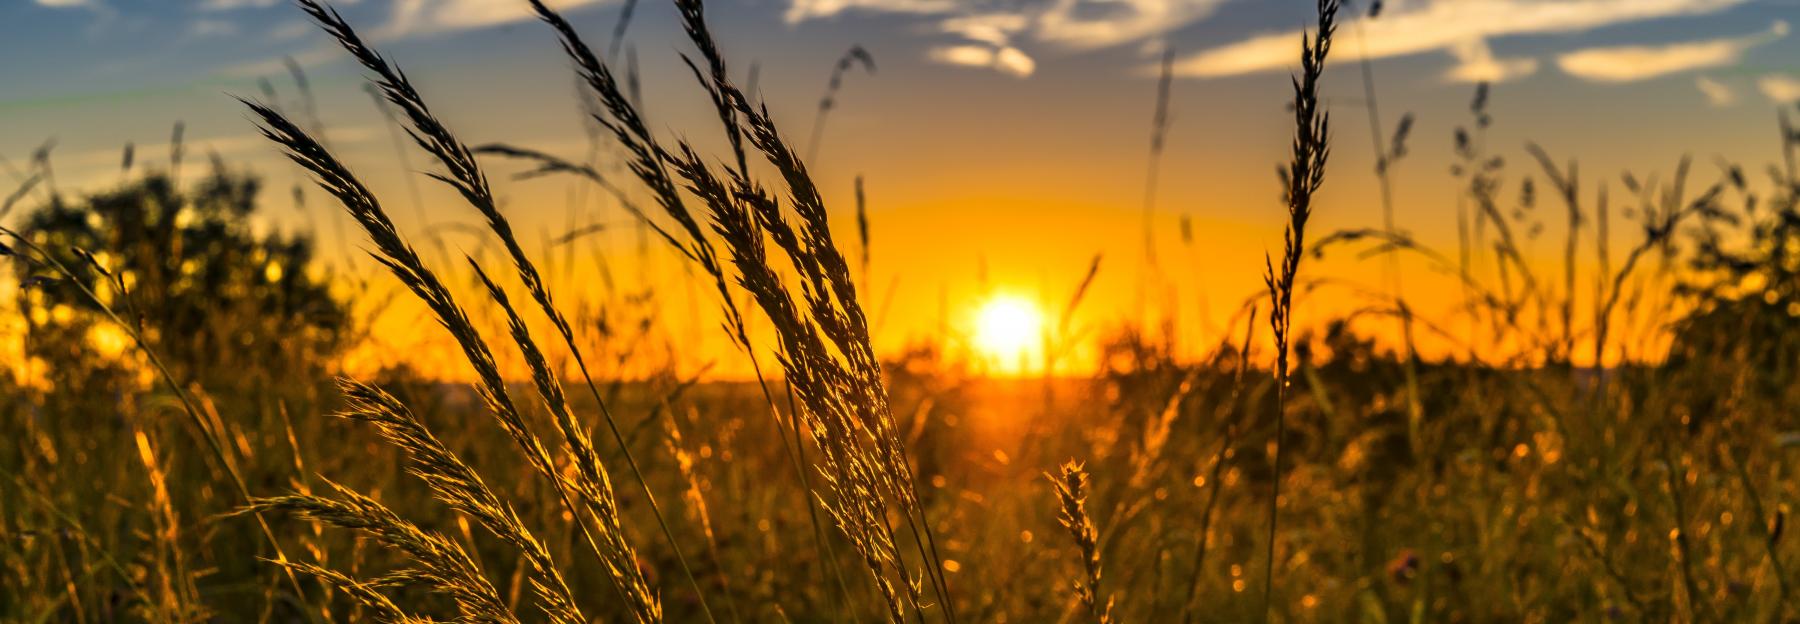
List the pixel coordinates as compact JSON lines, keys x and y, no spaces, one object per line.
{"x":220,"y":302}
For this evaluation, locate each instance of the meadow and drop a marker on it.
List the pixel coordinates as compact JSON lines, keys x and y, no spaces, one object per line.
{"x":1608,"y":439}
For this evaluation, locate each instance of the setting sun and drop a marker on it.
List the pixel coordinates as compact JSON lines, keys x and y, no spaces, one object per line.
{"x":1009,"y":332}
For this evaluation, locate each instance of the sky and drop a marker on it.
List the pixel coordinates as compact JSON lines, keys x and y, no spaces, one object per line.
{"x":1003,"y":144}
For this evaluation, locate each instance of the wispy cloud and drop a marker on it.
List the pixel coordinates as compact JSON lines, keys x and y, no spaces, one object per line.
{"x":212,"y":28}
{"x":290,"y":31}
{"x":1454,"y":26}
{"x":427,"y":17}
{"x":320,"y":53}
{"x":1717,"y":93}
{"x":1633,"y":63}
{"x":1782,"y":89}
{"x":1004,"y":59}
{"x":1004,"y":30}
{"x":1102,"y":23}
{"x":802,"y":10}
{"x":406,"y":19}
{"x":990,"y":28}
{"x":1475,"y":62}
{"x":232,"y":5}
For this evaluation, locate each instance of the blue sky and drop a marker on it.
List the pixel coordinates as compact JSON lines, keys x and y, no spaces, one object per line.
{"x":91,"y":61}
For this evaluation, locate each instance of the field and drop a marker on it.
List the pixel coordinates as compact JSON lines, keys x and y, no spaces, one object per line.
{"x":1606,"y":437}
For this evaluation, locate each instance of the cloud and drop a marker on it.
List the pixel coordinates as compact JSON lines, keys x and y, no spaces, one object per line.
{"x":1717,"y":94}
{"x":802,"y":10}
{"x":992,"y":29}
{"x":1633,"y":63}
{"x":212,"y":28}
{"x":1012,"y":61}
{"x":995,"y":33}
{"x":232,"y":5}
{"x":1074,"y":23}
{"x":291,"y":31}
{"x":430,"y":17}
{"x":319,"y":54}
{"x":1780,"y":88}
{"x":1004,"y":59}
{"x":1102,"y":23}
{"x":1475,"y":62}
{"x":65,"y":4}
{"x":408,"y":18}
{"x":1445,"y":25}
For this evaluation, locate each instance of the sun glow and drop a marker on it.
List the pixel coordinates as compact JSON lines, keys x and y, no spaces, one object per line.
{"x":1009,"y":333}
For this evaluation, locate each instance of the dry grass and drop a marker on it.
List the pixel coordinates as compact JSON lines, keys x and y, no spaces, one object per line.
{"x":1303,"y":174}
{"x":1071,"y":485}
{"x":1366,"y":483}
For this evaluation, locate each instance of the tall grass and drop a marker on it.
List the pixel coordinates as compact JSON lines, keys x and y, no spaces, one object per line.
{"x":864,"y":462}
{"x":466,"y":176}
{"x":1303,"y":175}
{"x":1071,"y":484}
{"x":1506,"y":483}
{"x":1151,"y":279}
{"x":610,"y":547}
{"x":855,"y":57}
{"x":825,"y":351}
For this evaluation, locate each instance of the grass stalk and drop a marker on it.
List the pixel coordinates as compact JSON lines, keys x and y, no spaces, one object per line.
{"x":1071,"y":486}
{"x":1303,"y":176}
{"x":852,"y":58}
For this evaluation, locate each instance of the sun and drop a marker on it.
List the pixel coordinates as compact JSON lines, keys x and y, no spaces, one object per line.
{"x":1009,"y":332}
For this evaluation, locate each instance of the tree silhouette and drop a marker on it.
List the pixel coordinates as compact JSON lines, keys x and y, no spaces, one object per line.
{"x":1748,"y":313}
{"x":220,"y":302}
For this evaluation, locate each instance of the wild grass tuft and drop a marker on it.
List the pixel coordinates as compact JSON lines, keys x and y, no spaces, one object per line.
{"x":823,"y":339}
{"x":437,"y":562}
{"x":1071,"y":485}
{"x":404,"y":263}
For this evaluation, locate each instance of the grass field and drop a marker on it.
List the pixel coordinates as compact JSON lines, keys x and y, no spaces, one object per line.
{"x":1609,"y":439}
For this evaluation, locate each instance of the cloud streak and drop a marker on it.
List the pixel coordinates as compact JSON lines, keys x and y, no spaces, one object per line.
{"x":1717,"y":94}
{"x":1780,"y":88}
{"x":803,"y":10}
{"x":407,"y":19}
{"x":1475,"y":62}
{"x":1004,"y":59}
{"x":995,"y":35}
{"x":1634,"y":63}
{"x":1085,"y":24}
{"x":429,"y":17}
{"x":233,"y":5}
{"x":1454,"y":26}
